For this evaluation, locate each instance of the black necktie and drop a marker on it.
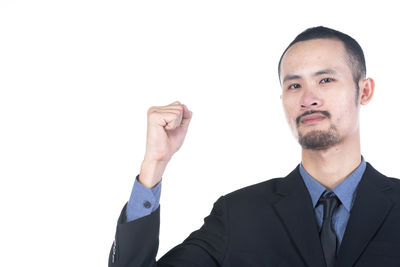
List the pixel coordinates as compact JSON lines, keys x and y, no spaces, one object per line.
{"x":327,"y":235}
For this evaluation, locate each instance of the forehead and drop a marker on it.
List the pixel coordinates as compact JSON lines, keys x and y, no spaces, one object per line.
{"x":313,"y":55}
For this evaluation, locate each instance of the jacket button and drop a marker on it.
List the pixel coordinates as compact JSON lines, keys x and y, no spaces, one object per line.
{"x":147,"y":204}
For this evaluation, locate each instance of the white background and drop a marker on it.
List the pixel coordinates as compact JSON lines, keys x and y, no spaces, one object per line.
{"x":78,"y":76}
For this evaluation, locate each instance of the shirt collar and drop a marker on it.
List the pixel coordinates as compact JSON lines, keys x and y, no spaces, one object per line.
{"x":345,"y":191}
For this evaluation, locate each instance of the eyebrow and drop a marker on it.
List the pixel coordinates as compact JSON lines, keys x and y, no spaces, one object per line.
{"x":318,"y":73}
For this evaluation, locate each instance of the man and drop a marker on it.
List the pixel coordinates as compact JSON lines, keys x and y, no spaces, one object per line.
{"x":333,"y":209}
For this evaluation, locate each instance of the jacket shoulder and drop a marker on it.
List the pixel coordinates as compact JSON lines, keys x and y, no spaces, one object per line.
{"x":262,"y":191}
{"x":382,"y":178}
{"x":394,"y":181}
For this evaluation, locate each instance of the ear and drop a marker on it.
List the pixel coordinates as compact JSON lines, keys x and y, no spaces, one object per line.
{"x":367,"y":88}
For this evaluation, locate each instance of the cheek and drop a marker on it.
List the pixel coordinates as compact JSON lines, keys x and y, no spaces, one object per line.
{"x":289,"y":103}
{"x":288,"y":109}
{"x":346,"y":111}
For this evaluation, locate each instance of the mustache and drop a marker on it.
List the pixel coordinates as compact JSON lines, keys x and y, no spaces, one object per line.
{"x":308,"y":112}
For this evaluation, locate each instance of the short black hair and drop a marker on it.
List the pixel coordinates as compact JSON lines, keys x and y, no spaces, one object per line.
{"x":354,"y":51}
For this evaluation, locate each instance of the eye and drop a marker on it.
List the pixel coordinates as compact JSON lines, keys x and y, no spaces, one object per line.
{"x":294,"y":86}
{"x":326,"y":80}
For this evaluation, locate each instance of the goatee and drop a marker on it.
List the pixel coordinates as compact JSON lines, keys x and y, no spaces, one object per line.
{"x":318,"y":140}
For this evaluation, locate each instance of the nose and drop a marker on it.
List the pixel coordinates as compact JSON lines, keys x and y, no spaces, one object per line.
{"x":310,"y":100}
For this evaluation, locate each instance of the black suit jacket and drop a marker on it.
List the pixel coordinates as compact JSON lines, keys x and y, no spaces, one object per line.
{"x":273,"y":224}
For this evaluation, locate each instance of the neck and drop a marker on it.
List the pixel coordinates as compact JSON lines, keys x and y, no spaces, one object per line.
{"x":331,"y":166}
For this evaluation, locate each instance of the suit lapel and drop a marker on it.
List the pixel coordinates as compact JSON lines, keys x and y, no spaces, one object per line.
{"x":297,"y":214}
{"x":367,"y":215}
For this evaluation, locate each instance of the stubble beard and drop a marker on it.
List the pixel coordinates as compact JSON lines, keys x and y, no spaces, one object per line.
{"x":319,"y":139}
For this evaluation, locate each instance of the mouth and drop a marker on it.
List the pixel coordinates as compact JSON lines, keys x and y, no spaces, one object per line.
{"x":313,"y":118}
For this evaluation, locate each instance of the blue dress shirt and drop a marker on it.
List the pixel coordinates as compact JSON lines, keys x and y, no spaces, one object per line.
{"x":346,"y":192}
{"x":143,"y":201}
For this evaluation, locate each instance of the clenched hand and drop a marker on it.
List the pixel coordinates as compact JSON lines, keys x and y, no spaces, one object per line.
{"x":166,"y":130}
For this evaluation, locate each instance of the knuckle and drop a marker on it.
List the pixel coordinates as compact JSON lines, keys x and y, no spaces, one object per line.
{"x":150,"y":110}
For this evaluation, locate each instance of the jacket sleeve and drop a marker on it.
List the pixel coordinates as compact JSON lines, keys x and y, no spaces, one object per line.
{"x":136,"y":242}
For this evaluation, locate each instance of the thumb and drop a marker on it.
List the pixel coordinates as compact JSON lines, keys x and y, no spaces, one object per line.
{"x":187,"y":116}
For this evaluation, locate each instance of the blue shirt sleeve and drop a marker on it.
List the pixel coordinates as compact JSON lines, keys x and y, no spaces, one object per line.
{"x":143,"y":201}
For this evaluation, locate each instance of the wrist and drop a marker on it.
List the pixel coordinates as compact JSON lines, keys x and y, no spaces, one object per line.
{"x":151,"y":173}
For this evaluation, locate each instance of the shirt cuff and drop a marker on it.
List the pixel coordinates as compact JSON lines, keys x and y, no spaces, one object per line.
{"x":143,"y":201}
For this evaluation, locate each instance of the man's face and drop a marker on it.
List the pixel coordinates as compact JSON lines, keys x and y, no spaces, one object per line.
{"x":318,"y":93}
